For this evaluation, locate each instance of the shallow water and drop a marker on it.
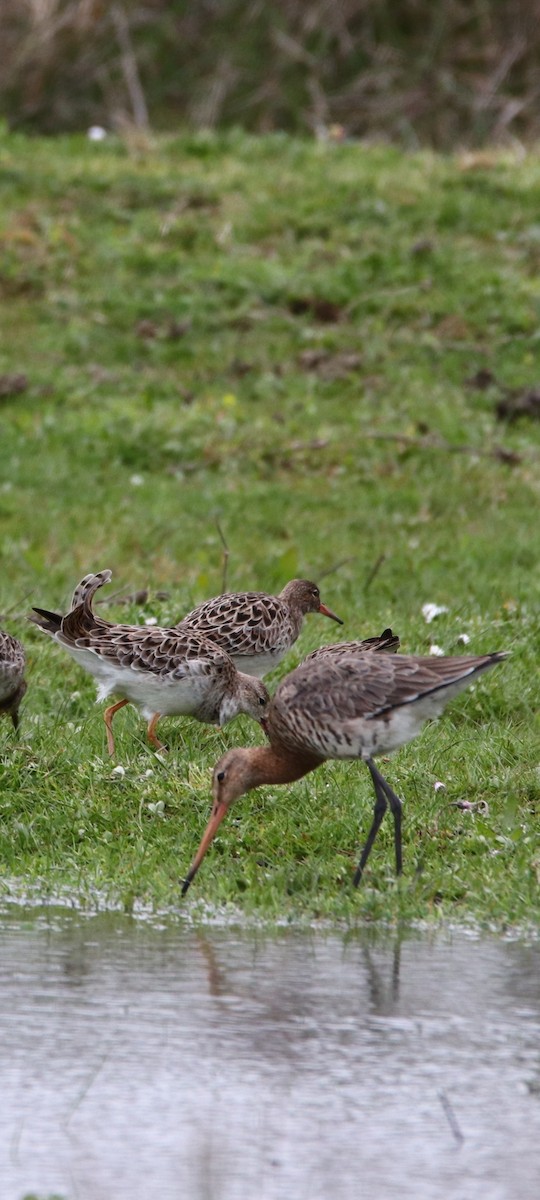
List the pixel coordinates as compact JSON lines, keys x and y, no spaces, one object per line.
{"x":145,"y":1062}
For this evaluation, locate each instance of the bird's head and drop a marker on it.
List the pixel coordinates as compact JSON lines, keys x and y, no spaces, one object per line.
{"x":304,"y":596}
{"x":250,"y":697}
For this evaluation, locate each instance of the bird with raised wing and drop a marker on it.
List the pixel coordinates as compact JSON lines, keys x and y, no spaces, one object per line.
{"x":163,"y":672}
{"x":356,"y":706}
{"x":12,"y":681}
{"x":255,"y":628}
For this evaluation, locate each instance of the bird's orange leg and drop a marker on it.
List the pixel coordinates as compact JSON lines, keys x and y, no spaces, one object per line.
{"x":107,"y":717}
{"x":151,"y":733}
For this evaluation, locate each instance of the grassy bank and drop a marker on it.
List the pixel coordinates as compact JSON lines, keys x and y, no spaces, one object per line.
{"x":308,"y":342}
{"x":407,"y":71}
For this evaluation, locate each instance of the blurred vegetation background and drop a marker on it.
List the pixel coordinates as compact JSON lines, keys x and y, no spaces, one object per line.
{"x":456,"y":72}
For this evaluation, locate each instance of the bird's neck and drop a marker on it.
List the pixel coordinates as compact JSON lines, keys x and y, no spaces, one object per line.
{"x":276,"y":764}
{"x":289,"y":598}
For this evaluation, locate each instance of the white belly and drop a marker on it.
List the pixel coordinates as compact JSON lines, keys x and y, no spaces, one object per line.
{"x":150,"y":693}
{"x":366,"y":738}
{"x":382,"y":736}
{"x":257,"y":664}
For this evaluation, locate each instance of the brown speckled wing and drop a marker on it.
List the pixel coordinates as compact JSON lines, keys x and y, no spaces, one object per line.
{"x":170,"y":653}
{"x":12,"y":663}
{"x":387,"y":642}
{"x":245,"y":623}
{"x":12,"y":685}
{"x":324,"y":694}
{"x":11,"y":653}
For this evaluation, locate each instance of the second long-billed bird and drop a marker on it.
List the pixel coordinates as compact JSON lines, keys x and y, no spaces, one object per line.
{"x":353,"y":706}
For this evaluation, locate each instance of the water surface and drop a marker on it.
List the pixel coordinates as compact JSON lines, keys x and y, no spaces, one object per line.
{"x":145,"y":1062}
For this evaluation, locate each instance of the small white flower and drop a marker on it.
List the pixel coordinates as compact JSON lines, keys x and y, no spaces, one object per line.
{"x":158,"y":808}
{"x":137,"y":480}
{"x":149,"y":773}
{"x":436,"y":651}
{"x":430,"y":611}
{"x":75,"y":696}
{"x":150,"y":620}
{"x":438,"y":785}
{"x":464,"y":639}
{"x":96,"y":133}
{"x":118,"y":772}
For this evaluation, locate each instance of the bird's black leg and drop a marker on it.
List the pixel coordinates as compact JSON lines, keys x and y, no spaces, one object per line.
{"x":378,"y":814}
{"x":396,"y":807}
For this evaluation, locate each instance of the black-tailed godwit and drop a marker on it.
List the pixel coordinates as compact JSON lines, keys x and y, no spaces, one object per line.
{"x":353,"y":706}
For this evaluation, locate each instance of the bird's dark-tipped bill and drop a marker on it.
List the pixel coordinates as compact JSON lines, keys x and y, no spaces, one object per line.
{"x":327,"y":612}
{"x":219,"y":811}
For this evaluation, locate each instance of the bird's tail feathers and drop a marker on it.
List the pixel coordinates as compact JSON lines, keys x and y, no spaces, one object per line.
{"x":49,"y":621}
{"x":88,"y":586}
{"x":388,"y":642}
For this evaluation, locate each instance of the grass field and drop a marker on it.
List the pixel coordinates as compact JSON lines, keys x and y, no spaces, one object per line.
{"x":308,"y":344}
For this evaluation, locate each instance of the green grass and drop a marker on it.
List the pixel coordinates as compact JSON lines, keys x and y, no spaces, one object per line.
{"x":129,"y":442}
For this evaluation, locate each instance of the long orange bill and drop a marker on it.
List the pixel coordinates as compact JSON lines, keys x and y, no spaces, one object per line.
{"x":327,"y":612}
{"x":219,"y":811}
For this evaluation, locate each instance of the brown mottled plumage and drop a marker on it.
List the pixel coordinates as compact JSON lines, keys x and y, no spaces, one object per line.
{"x":162,"y":671}
{"x":257,"y":629}
{"x":387,"y":642}
{"x":355,"y":706}
{"x":12,"y":682}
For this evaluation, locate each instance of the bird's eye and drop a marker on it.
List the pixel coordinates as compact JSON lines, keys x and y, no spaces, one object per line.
{"x":220,"y":776}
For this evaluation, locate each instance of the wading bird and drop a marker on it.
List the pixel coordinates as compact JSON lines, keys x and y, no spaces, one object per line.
{"x":356,"y":706}
{"x":257,"y":629}
{"x":12,"y":682}
{"x":164,"y":672}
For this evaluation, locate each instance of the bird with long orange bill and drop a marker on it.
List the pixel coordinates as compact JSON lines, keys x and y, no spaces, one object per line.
{"x":342,"y":706}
